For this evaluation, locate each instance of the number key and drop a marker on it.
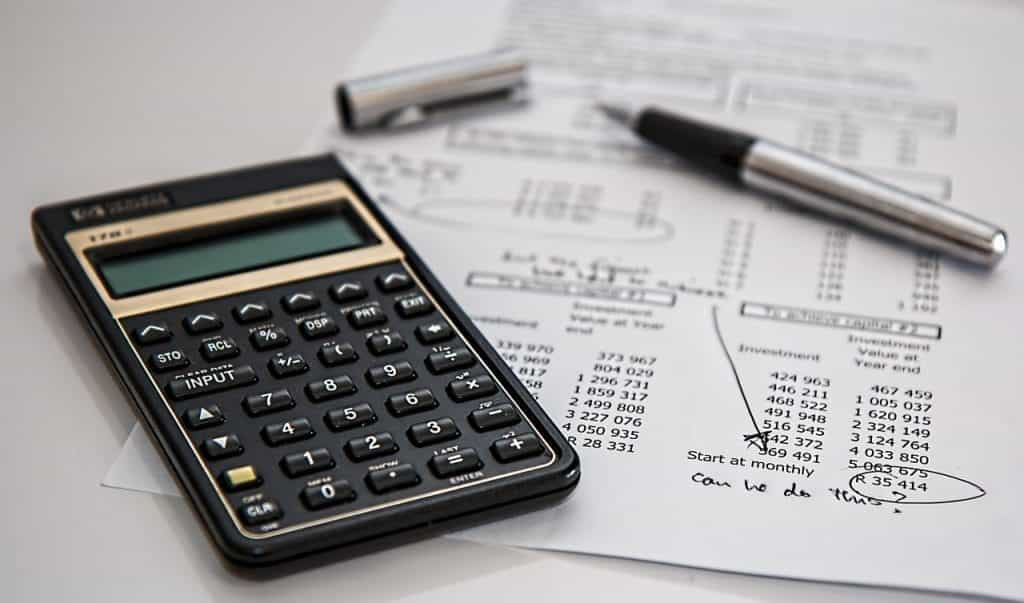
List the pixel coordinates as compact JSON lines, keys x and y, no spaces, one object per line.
{"x":432,"y":432}
{"x":411,"y":402}
{"x":304,"y":463}
{"x":267,"y":402}
{"x":330,"y":388}
{"x":350,"y":417}
{"x":327,"y":495}
{"x":390,"y":374}
{"x":371,"y":446}
{"x":289,"y":431}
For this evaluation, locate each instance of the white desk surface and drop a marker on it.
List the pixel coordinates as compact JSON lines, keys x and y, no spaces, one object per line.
{"x":97,"y":97}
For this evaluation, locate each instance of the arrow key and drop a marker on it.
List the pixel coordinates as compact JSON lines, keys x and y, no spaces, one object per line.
{"x":300,"y":302}
{"x":434,"y":332}
{"x":204,"y":322}
{"x":204,"y":416}
{"x":222,"y":447}
{"x":251,"y":312}
{"x":156,"y":332}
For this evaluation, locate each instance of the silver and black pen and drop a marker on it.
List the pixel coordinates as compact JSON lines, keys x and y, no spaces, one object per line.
{"x":818,"y":185}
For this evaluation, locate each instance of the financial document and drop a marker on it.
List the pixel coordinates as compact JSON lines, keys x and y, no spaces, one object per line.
{"x":750,"y":388}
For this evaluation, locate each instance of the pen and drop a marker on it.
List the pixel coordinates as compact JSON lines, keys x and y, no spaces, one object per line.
{"x":817,"y":184}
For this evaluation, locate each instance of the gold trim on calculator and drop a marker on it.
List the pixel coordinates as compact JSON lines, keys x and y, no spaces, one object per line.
{"x":284,"y":200}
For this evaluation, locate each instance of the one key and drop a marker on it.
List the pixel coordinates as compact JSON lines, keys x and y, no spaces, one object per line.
{"x":268,"y":338}
{"x":392,"y":478}
{"x":455,"y":463}
{"x":411,"y":402}
{"x":251,"y":312}
{"x":328,"y":495}
{"x":289,"y":431}
{"x":260,"y":512}
{"x":385,"y":343}
{"x":301,"y":301}
{"x":204,"y":416}
{"x":203,"y":322}
{"x":471,"y":388}
{"x":366,"y":316}
{"x":434,"y":332}
{"x":304,"y":463}
{"x":240,"y":478}
{"x":348,"y":291}
{"x":350,"y":417}
{"x":283,"y":365}
{"x":219,"y":348}
{"x":394,"y":281}
{"x":222,"y":447}
{"x":450,"y":360}
{"x":268,"y":402}
{"x":432,"y":432}
{"x":371,"y":446}
{"x":315,"y":328}
{"x":157,"y":332}
{"x":217,"y":380}
{"x":390,"y":374}
{"x":168,"y":361}
{"x":330,"y":388}
{"x":333,"y":354}
{"x":518,"y":447}
{"x":413,"y":305}
{"x":501,"y":415}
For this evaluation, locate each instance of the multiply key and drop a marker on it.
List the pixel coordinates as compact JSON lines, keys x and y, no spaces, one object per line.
{"x":190,"y":386}
{"x":471,"y":388}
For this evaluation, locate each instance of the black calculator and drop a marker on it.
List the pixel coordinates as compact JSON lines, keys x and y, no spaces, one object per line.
{"x":310,"y":382}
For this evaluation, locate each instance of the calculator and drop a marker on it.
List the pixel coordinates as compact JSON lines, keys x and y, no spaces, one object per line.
{"x":309,"y":381}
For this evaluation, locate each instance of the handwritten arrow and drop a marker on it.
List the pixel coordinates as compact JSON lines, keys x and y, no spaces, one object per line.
{"x":758,"y":438}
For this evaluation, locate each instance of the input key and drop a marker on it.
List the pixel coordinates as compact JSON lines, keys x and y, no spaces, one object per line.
{"x":218,"y":379}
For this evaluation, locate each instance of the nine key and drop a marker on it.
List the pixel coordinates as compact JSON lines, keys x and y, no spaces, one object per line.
{"x":390,"y":374}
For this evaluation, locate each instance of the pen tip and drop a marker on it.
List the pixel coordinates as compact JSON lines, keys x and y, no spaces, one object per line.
{"x":616,"y":112}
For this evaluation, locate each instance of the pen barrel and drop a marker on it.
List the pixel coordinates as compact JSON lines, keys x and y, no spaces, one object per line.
{"x":830,"y":189}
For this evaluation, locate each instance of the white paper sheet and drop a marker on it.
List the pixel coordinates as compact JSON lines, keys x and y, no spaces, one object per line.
{"x":672,"y":325}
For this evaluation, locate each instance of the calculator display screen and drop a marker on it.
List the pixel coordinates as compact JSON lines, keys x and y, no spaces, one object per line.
{"x":213,"y":256}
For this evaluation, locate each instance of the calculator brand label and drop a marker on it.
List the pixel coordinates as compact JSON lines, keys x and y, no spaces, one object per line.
{"x":121,"y":208}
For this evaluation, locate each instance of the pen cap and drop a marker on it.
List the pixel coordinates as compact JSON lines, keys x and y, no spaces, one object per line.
{"x":426,"y":92}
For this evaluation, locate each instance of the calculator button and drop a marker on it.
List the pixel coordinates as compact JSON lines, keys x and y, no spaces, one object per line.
{"x":434,"y":332}
{"x":333,"y":354}
{"x":414,"y":305}
{"x":315,"y":328}
{"x":350,"y":417}
{"x":327,"y":495}
{"x":386,"y":343}
{"x":202,"y":323}
{"x":239,"y":478}
{"x":268,"y":402}
{"x":486,"y":419}
{"x":330,"y":388}
{"x":222,"y":447}
{"x":204,"y":416}
{"x":471,"y":388}
{"x":156,"y":332}
{"x":209,"y":382}
{"x":455,"y":463}
{"x":263,"y":511}
{"x":366,"y":316}
{"x":168,"y":361}
{"x":219,"y":348}
{"x":432,"y":432}
{"x":251,"y":312}
{"x":304,"y":463}
{"x":371,"y":446}
{"x":300,"y":302}
{"x":346,"y":292}
{"x":390,"y":374}
{"x":450,"y":360}
{"x":392,"y":478}
{"x":283,"y":365}
{"x":411,"y":402}
{"x":269,"y":338}
{"x":394,"y":281}
{"x":517,"y":447}
{"x":289,"y":431}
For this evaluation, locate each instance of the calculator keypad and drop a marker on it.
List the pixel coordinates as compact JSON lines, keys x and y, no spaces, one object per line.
{"x":352,"y":391}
